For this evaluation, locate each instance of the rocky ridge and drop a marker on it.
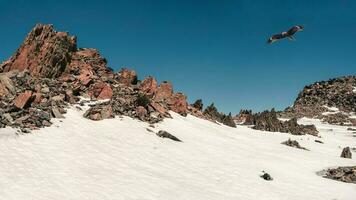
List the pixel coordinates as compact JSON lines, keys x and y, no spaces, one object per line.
{"x":49,"y":72}
{"x":333,"y":101}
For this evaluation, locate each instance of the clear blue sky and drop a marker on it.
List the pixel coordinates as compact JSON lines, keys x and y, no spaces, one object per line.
{"x":214,"y":50}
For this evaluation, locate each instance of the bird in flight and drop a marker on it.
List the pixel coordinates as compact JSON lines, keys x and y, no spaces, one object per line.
{"x":289,"y":34}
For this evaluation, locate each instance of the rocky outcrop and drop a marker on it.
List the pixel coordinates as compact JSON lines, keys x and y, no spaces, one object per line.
{"x":48,"y":72}
{"x":315,"y":99}
{"x":127,"y":77}
{"x":35,"y":100}
{"x":344,"y":174}
{"x":268,"y":121}
{"x":211,"y":112}
{"x":44,"y":53}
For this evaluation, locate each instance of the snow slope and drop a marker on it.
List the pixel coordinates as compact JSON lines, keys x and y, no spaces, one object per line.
{"x":119,"y":159}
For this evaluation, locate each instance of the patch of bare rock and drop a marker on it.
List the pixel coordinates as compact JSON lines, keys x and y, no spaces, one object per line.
{"x":268,"y":121}
{"x":294,"y":143}
{"x":344,"y":174}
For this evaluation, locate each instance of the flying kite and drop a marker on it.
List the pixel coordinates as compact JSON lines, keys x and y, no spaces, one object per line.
{"x":289,"y":34}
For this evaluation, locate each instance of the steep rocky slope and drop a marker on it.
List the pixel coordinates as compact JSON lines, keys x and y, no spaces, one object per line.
{"x":333,"y":101}
{"x":48,"y":72}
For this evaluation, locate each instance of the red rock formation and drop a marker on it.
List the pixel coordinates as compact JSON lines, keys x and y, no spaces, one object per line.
{"x":149,"y":86}
{"x":101,"y":91}
{"x":178,"y":103}
{"x":127,"y":77}
{"x":45,"y":52}
{"x":164,"y":92}
{"x":23,"y":100}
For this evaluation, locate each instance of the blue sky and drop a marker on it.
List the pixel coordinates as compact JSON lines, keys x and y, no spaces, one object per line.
{"x":214,"y":50}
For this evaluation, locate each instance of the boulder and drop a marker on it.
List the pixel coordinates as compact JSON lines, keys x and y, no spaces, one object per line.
{"x":149,"y":86}
{"x":346,"y":153}
{"x":105,"y":93}
{"x":266,"y":176}
{"x":344,"y":174}
{"x":159,"y":108}
{"x":165,"y":134}
{"x":127,"y":77}
{"x":293,"y":143}
{"x":101,"y":91}
{"x":164,"y":91}
{"x":23,"y":100}
{"x":178,"y":103}
{"x":141,"y":112}
{"x":56,"y":113}
{"x":7,"y":84}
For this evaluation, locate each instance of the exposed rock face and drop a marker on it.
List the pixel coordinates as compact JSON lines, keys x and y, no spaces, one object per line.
{"x":268,"y":121}
{"x":315,"y":98}
{"x":211,"y":112}
{"x":293,"y":143}
{"x":149,"y":86}
{"x":45,"y":53}
{"x":344,"y":174}
{"x":346,"y":153}
{"x":164,"y":92}
{"x":127,"y":76}
{"x":101,"y":91}
{"x":48,"y":72}
{"x":178,"y":103}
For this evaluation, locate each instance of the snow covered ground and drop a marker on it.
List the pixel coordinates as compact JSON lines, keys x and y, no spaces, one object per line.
{"x":119,"y":159}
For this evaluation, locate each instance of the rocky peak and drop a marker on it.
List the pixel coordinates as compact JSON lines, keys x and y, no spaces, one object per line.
{"x":48,"y":72}
{"x":45,"y":53}
{"x":316,"y":99}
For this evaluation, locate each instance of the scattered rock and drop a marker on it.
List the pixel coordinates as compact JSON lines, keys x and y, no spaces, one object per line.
{"x":351,"y":129}
{"x":319,"y":141}
{"x":141,"y":112}
{"x":293,"y":143}
{"x":344,"y":174}
{"x":165,"y":134}
{"x":56,"y":113}
{"x":266,"y":176}
{"x":346,"y":153}
{"x":23,"y":100}
{"x":149,"y":130}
